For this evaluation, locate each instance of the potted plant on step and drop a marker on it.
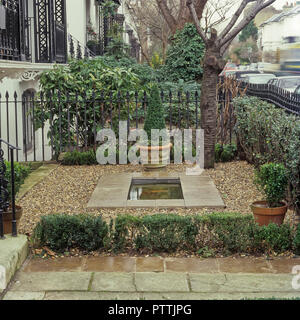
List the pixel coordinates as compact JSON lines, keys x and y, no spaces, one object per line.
{"x":272,"y":180}
{"x":155,"y":120}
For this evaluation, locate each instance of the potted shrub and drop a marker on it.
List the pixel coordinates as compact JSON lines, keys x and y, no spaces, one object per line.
{"x":272,"y":180}
{"x":93,"y":45}
{"x":21,"y":172}
{"x":155,"y":120}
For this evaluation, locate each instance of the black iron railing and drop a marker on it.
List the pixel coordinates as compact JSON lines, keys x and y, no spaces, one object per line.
{"x":46,"y":126}
{"x":77,"y":50}
{"x":9,"y":30}
{"x":7,"y":202}
{"x":282,"y":98}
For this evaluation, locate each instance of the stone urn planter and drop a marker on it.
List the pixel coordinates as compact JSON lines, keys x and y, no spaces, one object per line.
{"x":155,"y":120}
{"x":7,"y":219}
{"x":163,"y":155}
{"x":264,"y":215}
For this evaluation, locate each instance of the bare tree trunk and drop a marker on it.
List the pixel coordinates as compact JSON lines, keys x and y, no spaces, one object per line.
{"x":212,"y":67}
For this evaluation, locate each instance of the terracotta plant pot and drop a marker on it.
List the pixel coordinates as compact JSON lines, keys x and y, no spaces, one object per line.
{"x":164,"y":151}
{"x":7,"y":219}
{"x":265,"y":215}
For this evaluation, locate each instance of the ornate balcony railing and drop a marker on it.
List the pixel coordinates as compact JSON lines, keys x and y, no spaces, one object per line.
{"x":10,"y":47}
{"x":77,"y":50}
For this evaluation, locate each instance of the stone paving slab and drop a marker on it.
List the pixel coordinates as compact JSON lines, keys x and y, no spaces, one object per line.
{"x":206,"y":282}
{"x":149,"y":286}
{"x":151,"y":264}
{"x":231,"y":265}
{"x":108,"y":296}
{"x":16,"y":295}
{"x":218,"y":296}
{"x":242,"y":283}
{"x":159,"y":264}
{"x":191,"y":265}
{"x":71,"y":264}
{"x":161,"y":282}
{"x":111,"y":282}
{"x":51,"y":281}
{"x":253,"y":283}
{"x":109,"y":264}
{"x":198,"y":192}
{"x":74,"y":295}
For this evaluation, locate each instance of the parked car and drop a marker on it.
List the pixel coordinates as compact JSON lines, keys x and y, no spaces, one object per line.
{"x":243,"y":68}
{"x":297,"y":90}
{"x":259,"y":78}
{"x":239,"y":75}
{"x":261,"y":66}
{"x":273,"y":81}
{"x":289,"y":83}
{"x":253,"y":66}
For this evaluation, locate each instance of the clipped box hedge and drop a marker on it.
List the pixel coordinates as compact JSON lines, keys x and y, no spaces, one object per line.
{"x":222,"y":233}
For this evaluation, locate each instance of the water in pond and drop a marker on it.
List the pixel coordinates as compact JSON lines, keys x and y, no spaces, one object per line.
{"x":155,"y":190}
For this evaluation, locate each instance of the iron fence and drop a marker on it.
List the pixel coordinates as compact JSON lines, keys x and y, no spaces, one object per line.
{"x":45,"y":126}
{"x":282,"y":98}
{"x":229,"y":88}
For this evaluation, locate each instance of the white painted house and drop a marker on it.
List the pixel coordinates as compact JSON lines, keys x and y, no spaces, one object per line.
{"x":275,"y":30}
{"x":34,"y":36}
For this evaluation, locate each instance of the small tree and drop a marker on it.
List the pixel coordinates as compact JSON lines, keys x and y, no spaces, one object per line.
{"x":155,"y":114}
{"x":184,"y":56}
{"x":206,"y":15}
{"x":250,"y":31}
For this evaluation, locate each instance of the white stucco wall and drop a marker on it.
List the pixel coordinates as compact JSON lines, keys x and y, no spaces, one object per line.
{"x":76,"y":19}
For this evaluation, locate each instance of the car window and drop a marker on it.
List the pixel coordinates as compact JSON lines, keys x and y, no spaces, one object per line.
{"x":289,"y":83}
{"x":262,"y":79}
{"x":297,"y":91}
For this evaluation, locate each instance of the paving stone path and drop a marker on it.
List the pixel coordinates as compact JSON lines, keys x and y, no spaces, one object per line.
{"x":121,"y":278}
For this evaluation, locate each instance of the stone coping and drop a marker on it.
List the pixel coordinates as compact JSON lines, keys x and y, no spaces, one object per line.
{"x":198,"y":192}
{"x":163,"y":265}
{"x":13,"y":252}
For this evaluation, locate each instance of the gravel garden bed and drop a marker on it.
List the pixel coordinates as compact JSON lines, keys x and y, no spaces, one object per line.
{"x":69,"y":188}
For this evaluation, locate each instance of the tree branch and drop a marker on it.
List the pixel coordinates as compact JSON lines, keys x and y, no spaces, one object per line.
{"x":255,"y":10}
{"x":191,"y":7}
{"x":234,"y":18}
{"x":167,"y":15}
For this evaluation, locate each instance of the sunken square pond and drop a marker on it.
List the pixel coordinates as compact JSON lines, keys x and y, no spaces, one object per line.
{"x":155,"y":189}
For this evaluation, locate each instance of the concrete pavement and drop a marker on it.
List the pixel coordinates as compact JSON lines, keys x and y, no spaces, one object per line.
{"x":123,"y":278}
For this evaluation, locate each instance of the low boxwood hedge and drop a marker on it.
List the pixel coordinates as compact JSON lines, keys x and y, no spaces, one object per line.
{"x":222,"y":233}
{"x":61,"y":232}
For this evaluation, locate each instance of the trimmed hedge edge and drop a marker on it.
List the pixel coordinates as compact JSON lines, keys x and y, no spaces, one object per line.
{"x":217,"y":233}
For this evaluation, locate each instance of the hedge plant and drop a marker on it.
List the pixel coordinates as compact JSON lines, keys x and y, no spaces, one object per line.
{"x":222,"y":233}
{"x":155,"y":113}
{"x":81,"y":92}
{"x":21,"y":173}
{"x":75,"y":157}
{"x":269,"y":134}
{"x":62,"y":232}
